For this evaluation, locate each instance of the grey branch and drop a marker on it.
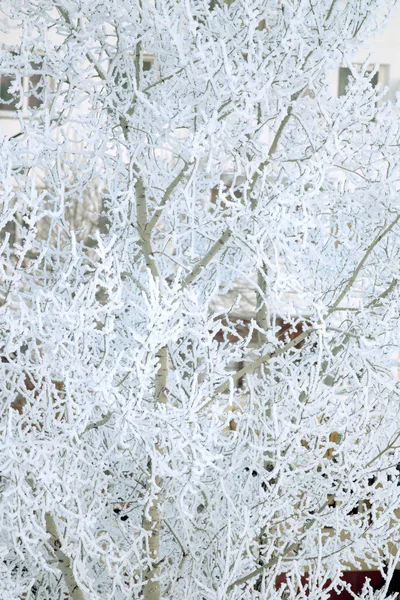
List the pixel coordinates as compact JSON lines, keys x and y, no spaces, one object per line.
{"x":215,"y":248}
{"x":63,"y":561}
{"x":362,"y":262}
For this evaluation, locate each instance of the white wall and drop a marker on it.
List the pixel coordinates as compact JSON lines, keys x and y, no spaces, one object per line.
{"x":383,"y":49}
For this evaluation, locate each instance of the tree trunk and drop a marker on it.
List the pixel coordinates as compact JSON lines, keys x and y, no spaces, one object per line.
{"x":261,"y":306}
{"x":152,"y":589}
{"x":63,"y":561}
{"x":152,"y":523}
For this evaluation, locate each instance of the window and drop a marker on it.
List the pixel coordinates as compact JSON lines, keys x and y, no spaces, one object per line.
{"x":35,"y":88}
{"x":381,"y":76}
{"x":10,"y":229}
{"x":148,"y":61}
{"x":10,"y":91}
{"x":8,"y":100}
{"x":124,"y":77}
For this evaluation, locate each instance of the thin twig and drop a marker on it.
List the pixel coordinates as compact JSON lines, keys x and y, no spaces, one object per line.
{"x":362,"y":263}
{"x":168,"y":193}
{"x":215,"y":248}
{"x":251,"y":367}
{"x":103,"y":421}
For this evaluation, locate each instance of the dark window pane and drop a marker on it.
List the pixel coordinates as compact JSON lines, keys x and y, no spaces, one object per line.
{"x":147,"y":64}
{"x":344,"y":76}
{"x":11,"y":229}
{"x":35,"y":98}
{"x":375,"y":79}
{"x":8,"y":101}
{"x":121,"y":79}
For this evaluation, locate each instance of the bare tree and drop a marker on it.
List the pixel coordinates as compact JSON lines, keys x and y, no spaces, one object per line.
{"x":200,"y":305}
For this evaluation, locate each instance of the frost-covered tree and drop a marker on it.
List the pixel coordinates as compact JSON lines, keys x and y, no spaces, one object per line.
{"x":199,"y":301}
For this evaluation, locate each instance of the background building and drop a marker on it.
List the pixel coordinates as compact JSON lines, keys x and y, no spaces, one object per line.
{"x":384,"y":50}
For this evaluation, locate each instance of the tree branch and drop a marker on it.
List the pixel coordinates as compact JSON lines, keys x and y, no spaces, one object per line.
{"x":251,"y":367}
{"x":168,"y":193}
{"x":362,"y":263}
{"x":90,"y":58}
{"x":384,"y":294}
{"x":289,"y":548}
{"x":215,"y":248}
{"x":99,"y":423}
{"x":63,"y":561}
{"x":275,"y":141}
{"x":141,"y":215}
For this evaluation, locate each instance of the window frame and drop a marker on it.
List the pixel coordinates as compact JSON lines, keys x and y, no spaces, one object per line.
{"x":14,"y":112}
{"x":382,"y":73}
